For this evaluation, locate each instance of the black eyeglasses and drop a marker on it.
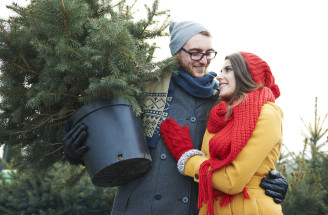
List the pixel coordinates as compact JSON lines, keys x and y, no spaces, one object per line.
{"x":199,"y":55}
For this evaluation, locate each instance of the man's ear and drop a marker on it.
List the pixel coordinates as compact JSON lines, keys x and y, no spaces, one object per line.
{"x":178,"y":54}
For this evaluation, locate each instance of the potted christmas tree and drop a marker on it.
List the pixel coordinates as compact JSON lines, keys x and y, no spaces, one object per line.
{"x":58,"y":56}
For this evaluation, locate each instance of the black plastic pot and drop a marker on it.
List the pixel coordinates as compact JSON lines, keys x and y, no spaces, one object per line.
{"x":118,"y":152}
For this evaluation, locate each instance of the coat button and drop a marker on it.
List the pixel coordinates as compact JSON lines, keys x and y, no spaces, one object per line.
{"x":193,"y":119}
{"x":163,"y":156}
{"x":158,"y":196}
{"x":185,"y":200}
{"x":196,"y":176}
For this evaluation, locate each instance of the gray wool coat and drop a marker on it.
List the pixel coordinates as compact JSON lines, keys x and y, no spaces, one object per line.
{"x":163,"y":190}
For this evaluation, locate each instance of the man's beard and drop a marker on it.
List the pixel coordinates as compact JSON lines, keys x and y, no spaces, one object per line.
{"x":187,"y":69}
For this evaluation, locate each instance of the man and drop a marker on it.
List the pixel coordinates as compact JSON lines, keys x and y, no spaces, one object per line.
{"x":187,"y":98}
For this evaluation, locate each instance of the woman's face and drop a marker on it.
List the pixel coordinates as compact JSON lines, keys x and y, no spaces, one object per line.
{"x":227,"y":81}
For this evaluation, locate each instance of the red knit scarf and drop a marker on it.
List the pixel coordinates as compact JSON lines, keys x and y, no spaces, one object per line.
{"x":232,"y":134}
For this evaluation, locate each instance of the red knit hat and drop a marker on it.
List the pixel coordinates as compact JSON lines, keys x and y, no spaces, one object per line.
{"x":261,"y":72}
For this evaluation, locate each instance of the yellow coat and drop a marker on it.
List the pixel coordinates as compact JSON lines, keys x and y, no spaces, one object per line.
{"x":257,"y":158}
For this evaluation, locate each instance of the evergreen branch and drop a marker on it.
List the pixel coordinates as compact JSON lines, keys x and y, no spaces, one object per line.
{"x":5,"y":32}
{"x":43,"y":47}
{"x":62,"y":1}
{"x":50,"y":118}
{"x":130,"y":101}
{"x":101,"y":28}
{"x":164,"y":25}
{"x":54,"y":144}
{"x":18,"y":52}
{"x":116,"y":73}
{"x":53,"y":152}
{"x":144,"y":29}
{"x":22,"y":57}
{"x":64,"y":117}
{"x":31,"y":13}
{"x":323,"y":134}
{"x":56,"y":8}
{"x":65,"y":30}
{"x":75,"y":52}
{"x":78,"y":87}
{"x":50,"y":14}
{"x":128,"y":56}
{"x":73,"y":2}
{"x":152,"y":14}
{"x":75,"y":178}
{"x":120,"y":2}
{"x":57,"y":94}
{"x":118,"y":21}
{"x":70,"y":112}
{"x":2,"y":208}
{"x":72,"y":12}
{"x":10,"y":95}
{"x":35,"y":24}
{"x":128,"y":9}
{"x":20,"y":67}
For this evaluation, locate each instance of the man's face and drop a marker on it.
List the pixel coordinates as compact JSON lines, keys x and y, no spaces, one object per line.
{"x":198,"y":43}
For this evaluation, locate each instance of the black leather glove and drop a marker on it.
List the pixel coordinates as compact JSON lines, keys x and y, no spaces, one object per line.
{"x":73,"y":140}
{"x":275,"y":186}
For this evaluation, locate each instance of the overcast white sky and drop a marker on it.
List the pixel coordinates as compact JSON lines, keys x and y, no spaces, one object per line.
{"x":290,"y":35}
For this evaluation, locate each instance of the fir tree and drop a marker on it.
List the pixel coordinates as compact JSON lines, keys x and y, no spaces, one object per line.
{"x":315,"y":132}
{"x":324,"y":182}
{"x":48,"y":195}
{"x":58,"y":55}
{"x":307,"y":191}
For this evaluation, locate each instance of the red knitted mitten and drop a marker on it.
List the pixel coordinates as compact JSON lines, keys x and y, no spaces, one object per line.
{"x":177,"y":139}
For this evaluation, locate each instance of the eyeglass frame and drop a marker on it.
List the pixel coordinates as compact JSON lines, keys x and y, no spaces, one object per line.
{"x":203,"y":54}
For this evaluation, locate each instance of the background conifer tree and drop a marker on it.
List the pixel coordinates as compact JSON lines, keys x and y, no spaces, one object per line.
{"x":47,"y":194}
{"x":307,"y":177}
{"x":58,"y":55}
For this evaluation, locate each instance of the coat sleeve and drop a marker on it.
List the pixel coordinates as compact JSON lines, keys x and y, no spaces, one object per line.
{"x":232,"y":178}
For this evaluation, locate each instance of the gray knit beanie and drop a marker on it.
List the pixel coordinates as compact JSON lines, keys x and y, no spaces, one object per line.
{"x":181,"y":32}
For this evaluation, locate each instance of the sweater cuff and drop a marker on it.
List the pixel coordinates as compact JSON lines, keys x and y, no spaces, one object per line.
{"x":184,"y":158}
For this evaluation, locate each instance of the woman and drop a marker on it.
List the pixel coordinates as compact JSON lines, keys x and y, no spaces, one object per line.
{"x":241,"y":144}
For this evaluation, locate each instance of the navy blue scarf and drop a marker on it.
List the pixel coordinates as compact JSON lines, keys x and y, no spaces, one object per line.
{"x":199,"y":87}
